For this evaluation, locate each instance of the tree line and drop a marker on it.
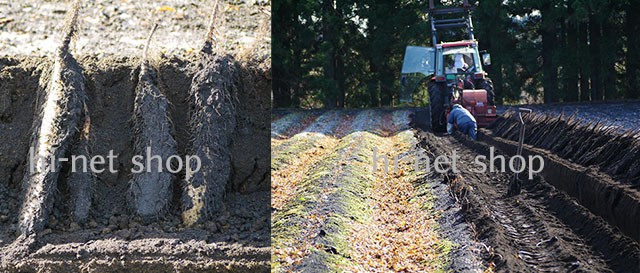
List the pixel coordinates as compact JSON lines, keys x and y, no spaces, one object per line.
{"x":347,"y":53}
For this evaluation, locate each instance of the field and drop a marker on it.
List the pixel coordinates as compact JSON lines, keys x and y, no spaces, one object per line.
{"x":331,"y":210}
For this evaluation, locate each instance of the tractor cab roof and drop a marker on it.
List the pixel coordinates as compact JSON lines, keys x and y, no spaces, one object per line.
{"x":459,"y":44}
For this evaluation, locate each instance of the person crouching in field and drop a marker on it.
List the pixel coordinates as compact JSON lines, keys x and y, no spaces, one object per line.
{"x":464,"y":121}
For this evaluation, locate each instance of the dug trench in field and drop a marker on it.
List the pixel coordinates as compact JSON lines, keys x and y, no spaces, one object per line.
{"x":580,"y":217}
{"x":498,"y":222}
{"x":565,"y":219}
{"x":600,"y":193}
{"x":588,"y":143}
{"x":492,"y":162}
{"x":596,"y":163}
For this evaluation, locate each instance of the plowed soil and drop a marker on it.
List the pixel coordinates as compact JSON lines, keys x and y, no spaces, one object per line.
{"x":543,"y":228}
{"x":546,"y":228}
{"x":332,"y":211}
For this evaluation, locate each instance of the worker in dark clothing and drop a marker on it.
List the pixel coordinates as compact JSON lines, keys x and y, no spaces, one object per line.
{"x":465,"y":122}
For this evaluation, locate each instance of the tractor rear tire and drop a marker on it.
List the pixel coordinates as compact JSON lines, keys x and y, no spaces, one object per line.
{"x":487,"y":84}
{"x":437,"y":93}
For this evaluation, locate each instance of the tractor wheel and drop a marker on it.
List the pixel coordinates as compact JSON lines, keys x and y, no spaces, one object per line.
{"x":437,"y":92}
{"x":487,"y":84}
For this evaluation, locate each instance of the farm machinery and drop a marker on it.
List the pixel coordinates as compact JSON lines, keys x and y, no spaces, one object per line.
{"x":452,"y":70}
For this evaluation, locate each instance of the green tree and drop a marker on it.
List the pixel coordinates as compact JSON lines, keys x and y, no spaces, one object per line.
{"x":348,"y":53}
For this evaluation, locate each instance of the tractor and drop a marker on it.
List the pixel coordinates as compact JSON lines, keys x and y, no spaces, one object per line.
{"x":453,"y":70}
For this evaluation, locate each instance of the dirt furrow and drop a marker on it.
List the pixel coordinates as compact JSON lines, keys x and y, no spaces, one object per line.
{"x":291,"y":124}
{"x":332,"y":220}
{"x":520,"y":233}
{"x":324,"y":125}
{"x":314,"y":223}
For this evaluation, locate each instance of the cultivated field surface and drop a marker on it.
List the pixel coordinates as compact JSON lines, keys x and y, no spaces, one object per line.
{"x":332,"y":209}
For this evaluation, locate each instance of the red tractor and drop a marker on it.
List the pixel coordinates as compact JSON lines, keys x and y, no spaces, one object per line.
{"x":453,"y":69}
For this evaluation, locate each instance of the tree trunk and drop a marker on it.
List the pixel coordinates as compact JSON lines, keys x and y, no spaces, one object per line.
{"x":374,"y":86}
{"x":584,"y":62}
{"x":549,"y":70}
{"x":330,"y":32}
{"x":340,"y":78}
{"x":608,"y":53}
{"x":596,"y":59}
{"x":281,"y":88}
{"x":571,"y":63}
{"x":632,"y":31}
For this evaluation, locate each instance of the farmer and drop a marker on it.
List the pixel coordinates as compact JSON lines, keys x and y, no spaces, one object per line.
{"x":457,"y":63}
{"x":463,"y":120}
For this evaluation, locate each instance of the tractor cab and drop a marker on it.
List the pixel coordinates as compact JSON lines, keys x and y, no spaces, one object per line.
{"x":453,"y":70}
{"x":459,"y":58}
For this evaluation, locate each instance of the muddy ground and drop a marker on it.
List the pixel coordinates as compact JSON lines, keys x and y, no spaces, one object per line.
{"x":235,"y":240}
{"x":542,"y":229}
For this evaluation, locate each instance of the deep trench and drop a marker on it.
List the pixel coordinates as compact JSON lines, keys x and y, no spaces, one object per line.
{"x":568,"y":217}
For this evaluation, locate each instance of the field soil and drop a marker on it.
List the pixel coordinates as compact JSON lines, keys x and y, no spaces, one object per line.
{"x":120,"y":27}
{"x":623,"y":115}
{"x":345,"y":197}
{"x":237,"y":239}
{"x":553,"y":225}
{"x":108,"y":47}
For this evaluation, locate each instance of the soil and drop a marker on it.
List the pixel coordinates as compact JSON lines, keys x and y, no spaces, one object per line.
{"x":542,"y":229}
{"x":323,"y":218}
{"x":110,"y":38}
{"x":571,"y":217}
{"x":235,"y":240}
{"x":110,"y":27}
{"x":623,"y":115}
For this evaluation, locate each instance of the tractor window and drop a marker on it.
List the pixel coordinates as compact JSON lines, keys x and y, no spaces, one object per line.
{"x":419,"y":60}
{"x":458,"y":61}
